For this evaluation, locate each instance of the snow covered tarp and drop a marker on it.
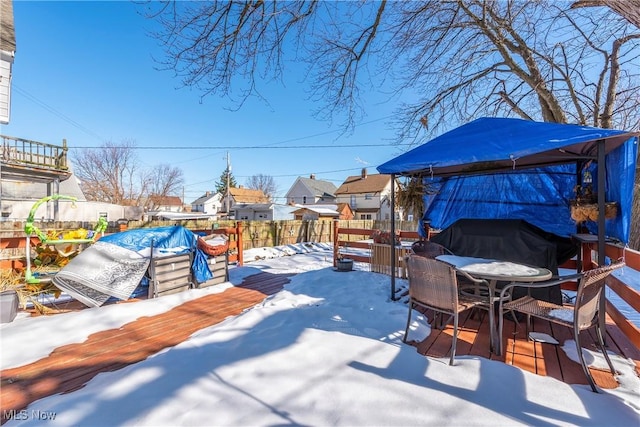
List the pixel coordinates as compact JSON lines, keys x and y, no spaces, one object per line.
{"x":115,"y":264}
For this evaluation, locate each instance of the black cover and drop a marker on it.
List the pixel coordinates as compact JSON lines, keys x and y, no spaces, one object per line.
{"x":509,"y":240}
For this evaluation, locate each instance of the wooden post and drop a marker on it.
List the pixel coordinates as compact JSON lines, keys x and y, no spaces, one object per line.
{"x":335,"y":242}
{"x":240,"y":245}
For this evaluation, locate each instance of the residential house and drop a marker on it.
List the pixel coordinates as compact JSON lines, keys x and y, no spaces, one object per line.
{"x":262,"y":212}
{"x":243,"y":196}
{"x":369,"y":196}
{"x":320,"y":212}
{"x":310,"y":191}
{"x":7,"y":54}
{"x":166,"y":203}
{"x":210,"y":203}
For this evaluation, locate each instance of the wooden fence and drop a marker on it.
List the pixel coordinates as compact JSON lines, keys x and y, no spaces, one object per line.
{"x":252,"y":234}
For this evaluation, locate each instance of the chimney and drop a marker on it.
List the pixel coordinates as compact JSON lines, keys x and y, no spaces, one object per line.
{"x":364,"y":173}
{"x":208,"y":193}
{"x":312,"y":176}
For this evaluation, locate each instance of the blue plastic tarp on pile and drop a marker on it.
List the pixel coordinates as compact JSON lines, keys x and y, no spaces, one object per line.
{"x":174,"y":239}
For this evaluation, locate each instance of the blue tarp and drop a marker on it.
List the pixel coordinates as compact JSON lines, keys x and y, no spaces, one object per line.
{"x":174,"y":239}
{"x":519,"y":169}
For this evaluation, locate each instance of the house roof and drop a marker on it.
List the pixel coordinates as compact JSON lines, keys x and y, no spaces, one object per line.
{"x":166,"y":200}
{"x":319,"y":210}
{"x":254,"y":206}
{"x":319,"y":187}
{"x":7,"y":29}
{"x":247,"y":195}
{"x":203,"y":199}
{"x":343,"y":206}
{"x":374,"y":183}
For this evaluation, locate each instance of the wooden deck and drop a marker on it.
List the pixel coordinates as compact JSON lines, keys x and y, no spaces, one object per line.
{"x":538,"y":358}
{"x":70,"y":367}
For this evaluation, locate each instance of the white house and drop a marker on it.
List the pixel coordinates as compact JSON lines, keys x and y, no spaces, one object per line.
{"x":311,"y":191}
{"x":262,"y":212}
{"x":7,"y":53}
{"x":210,"y":203}
{"x":165,"y":203}
{"x":18,"y":198}
{"x":369,"y":196}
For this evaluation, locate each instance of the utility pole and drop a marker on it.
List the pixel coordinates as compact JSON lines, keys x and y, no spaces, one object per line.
{"x":228,"y":182}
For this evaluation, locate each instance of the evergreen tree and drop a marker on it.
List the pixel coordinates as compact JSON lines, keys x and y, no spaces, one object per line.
{"x":221,"y":185}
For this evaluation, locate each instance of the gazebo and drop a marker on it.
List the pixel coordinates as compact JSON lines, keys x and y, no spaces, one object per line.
{"x":513,"y":168}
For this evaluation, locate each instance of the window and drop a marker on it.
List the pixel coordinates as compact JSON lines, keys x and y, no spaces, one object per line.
{"x":353,"y":201}
{"x":368,"y":196}
{"x":304,"y":200}
{"x":365,"y":216}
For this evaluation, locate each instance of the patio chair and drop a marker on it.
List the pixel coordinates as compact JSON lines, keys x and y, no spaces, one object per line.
{"x":433,"y":285}
{"x":586,"y":313}
{"x":429,"y":249}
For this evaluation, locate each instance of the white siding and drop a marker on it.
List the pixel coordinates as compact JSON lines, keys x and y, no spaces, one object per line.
{"x":6,"y":61}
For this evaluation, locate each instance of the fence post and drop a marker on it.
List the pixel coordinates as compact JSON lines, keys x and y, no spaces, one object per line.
{"x":335,"y":242}
{"x":240,"y":244}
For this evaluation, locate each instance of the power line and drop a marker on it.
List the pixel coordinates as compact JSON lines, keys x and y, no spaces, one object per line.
{"x":247,"y":147}
{"x":55,"y":112}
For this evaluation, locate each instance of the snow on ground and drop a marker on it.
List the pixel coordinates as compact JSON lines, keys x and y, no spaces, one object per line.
{"x":326,"y":350}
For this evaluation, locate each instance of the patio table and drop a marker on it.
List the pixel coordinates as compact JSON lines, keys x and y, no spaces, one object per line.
{"x":495,"y":271}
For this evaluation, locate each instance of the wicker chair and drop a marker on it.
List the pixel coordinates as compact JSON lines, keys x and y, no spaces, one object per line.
{"x":428,"y":249}
{"x":586,"y":313}
{"x":433,"y":285}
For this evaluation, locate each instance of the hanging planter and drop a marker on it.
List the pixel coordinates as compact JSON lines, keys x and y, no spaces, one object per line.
{"x":585,"y":206}
{"x":589,"y":211}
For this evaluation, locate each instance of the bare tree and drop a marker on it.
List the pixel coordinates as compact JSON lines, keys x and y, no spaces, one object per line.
{"x":164,"y":180}
{"x":629,"y":9}
{"x":112,"y":174}
{"x":540,"y":60}
{"x":450,"y":61}
{"x":265,"y":183}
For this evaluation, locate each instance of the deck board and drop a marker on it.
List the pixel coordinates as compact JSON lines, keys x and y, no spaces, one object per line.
{"x":538,"y":358}
{"x":71,"y":366}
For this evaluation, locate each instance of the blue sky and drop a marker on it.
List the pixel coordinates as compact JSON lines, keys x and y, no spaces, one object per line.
{"x":84,"y":72}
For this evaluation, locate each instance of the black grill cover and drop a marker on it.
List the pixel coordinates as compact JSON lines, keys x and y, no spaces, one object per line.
{"x":509,"y":240}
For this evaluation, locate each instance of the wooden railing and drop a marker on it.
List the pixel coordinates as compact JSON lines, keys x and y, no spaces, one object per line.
{"x":345,"y":238}
{"x":235,"y":240}
{"x":23,"y":152}
{"x":626,"y":293}
{"x":16,"y":244}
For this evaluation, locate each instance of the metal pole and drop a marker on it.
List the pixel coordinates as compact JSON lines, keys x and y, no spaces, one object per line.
{"x":393,"y":237}
{"x":601,"y":231}
{"x":228,"y":180}
{"x":601,"y":201}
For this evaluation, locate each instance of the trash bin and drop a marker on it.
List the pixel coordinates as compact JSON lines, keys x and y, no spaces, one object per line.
{"x":8,"y":306}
